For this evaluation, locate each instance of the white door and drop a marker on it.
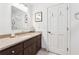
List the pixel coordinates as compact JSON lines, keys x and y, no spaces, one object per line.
{"x":57,"y":29}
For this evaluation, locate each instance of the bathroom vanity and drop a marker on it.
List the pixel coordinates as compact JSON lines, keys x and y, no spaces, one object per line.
{"x":25,"y":44}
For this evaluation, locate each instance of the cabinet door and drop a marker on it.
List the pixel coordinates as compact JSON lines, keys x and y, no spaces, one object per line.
{"x":28,"y":42}
{"x":31,"y":50}
{"x":17,"y":50}
{"x":26,"y":51}
{"x":38,"y":43}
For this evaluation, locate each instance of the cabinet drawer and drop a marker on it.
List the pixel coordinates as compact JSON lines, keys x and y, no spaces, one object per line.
{"x":14,"y":50}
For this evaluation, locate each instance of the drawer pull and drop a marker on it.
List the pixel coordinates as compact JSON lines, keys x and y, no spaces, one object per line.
{"x":13,"y":51}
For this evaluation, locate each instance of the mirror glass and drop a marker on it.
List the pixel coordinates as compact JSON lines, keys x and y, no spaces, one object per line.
{"x":18,"y":19}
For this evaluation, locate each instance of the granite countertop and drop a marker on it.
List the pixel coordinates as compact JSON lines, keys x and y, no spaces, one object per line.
{"x":8,"y":42}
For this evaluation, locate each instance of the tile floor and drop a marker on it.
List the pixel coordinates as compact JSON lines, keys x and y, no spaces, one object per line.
{"x":44,"y":52}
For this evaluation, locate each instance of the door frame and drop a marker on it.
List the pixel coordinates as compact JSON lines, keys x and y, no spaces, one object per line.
{"x":68,"y":27}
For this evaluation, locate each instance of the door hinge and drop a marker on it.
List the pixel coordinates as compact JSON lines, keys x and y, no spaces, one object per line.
{"x":67,"y":28}
{"x":52,"y":14}
{"x":67,"y":49}
{"x":67,"y":8}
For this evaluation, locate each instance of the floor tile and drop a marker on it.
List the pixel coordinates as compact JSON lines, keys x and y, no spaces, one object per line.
{"x":44,"y":52}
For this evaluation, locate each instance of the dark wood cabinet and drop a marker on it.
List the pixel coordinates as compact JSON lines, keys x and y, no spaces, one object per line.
{"x":28,"y":47}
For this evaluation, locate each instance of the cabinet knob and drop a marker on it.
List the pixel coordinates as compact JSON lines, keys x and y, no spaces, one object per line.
{"x":13,"y":51}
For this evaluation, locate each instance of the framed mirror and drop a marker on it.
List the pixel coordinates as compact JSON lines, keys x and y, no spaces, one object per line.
{"x":19,"y":19}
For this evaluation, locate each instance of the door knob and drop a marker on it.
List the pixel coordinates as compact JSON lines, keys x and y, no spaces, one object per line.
{"x":49,"y":32}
